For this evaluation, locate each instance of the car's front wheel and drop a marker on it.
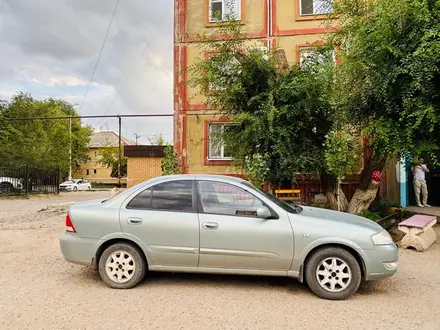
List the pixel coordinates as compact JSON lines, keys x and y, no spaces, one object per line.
{"x":333,"y":273}
{"x":122,"y":266}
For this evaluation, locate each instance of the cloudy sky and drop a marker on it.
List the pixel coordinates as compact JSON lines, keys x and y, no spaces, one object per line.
{"x":50,"y":47}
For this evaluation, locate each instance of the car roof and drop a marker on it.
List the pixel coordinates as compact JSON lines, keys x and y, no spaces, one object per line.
{"x":224,"y":178}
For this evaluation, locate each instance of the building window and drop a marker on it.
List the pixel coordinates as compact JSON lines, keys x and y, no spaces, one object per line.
{"x":94,"y":171}
{"x":223,"y":74}
{"x":95,"y":154}
{"x":311,"y":56}
{"x":217,"y":149}
{"x":315,"y":7}
{"x":87,"y":172}
{"x":223,"y":10}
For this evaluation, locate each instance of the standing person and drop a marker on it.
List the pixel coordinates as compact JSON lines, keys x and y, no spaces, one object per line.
{"x":419,"y":172}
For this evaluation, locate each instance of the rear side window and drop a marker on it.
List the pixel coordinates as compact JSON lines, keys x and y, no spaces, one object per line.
{"x":141,"y":201}
{"x":167,"y":196}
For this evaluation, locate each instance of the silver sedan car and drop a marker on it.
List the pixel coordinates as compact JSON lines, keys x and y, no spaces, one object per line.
{"x":224,"y":225}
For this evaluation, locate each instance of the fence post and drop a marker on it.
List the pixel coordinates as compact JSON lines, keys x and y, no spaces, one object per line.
{"x":58,"y":180}
{"x":26,"y":174}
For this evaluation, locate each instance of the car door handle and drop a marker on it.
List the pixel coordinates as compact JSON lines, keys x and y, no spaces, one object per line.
{"x":134,"y":221}
{"x":209,"y":225}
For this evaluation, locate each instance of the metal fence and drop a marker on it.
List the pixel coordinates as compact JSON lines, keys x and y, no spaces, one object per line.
{"x":29,"y":180}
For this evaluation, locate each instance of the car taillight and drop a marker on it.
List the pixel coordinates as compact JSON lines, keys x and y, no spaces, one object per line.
{"x":69,"y":225}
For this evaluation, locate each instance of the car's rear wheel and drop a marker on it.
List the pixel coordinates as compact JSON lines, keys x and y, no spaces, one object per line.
{"x":333,"y":273}
{"x":122,"y":266}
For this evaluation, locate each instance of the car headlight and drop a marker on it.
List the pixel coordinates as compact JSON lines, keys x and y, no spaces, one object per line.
{"x":382,"y":238}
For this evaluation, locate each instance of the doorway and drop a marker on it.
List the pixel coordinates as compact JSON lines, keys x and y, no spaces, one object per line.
{"x":432,"y":181}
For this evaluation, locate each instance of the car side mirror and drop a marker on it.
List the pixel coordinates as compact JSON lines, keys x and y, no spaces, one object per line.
{"x":263,"y":212}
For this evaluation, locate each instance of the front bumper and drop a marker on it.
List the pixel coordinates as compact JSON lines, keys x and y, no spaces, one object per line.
{"x":381,"y":262}
{"x":78,"y":250}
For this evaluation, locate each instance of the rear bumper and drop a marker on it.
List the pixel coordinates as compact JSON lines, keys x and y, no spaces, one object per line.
{"x":78,"y":250}
{"x":381,"y":262}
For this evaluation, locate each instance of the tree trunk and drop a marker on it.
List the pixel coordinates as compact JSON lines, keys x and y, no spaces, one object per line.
{"x":330,"y":185}
{"x":367,"y":190}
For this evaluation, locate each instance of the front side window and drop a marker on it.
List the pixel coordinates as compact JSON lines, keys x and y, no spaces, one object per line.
{"x":315,"y":7}
{"x":217,"y":148}
{"x":223,"y":10}
{"x":167,"y":196}
{"x":226,"y":199}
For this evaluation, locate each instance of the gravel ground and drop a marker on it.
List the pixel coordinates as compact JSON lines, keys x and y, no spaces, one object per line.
{"x":39,"y":290}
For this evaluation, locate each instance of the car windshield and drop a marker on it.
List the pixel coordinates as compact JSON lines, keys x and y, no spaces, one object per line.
{"x":69,"y":182}
{"x":292,"y":208}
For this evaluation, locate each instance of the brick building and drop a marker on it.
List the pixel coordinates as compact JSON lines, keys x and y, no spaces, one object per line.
{"x":144,"y":162}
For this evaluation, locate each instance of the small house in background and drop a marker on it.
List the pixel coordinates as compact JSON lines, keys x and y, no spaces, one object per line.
{"x":93,"y":170}
{"x":143,"y":162}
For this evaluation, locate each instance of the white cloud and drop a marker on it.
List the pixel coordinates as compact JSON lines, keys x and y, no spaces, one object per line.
{"x":49,"y":48}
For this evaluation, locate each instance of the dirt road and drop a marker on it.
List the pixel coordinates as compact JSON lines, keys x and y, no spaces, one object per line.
{"x":39,"y":290}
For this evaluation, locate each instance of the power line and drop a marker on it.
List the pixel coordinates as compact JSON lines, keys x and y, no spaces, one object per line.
{"x":85,"y":117}
{"x":100,"y":53}
{"x":147,"y":44}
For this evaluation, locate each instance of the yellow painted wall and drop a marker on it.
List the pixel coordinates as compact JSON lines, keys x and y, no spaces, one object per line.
{"x":195,"y":147}
{"x":197,"y":17}
{"x":289,"y":31}
{"x":103,"y":174}
{"x":288,"y":18}
{"x":140,"y":169}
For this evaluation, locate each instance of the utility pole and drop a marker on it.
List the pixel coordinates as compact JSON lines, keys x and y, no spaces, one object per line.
{"x":120,"y":154}
{"x":70,"y":148}
{"x":136,"y":136}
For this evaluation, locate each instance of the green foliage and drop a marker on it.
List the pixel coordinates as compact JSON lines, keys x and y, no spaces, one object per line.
{"x":171,"y":163}
{"x":157,"y":140}
{"x":342,"y":151}
{"x":371,"y":215}
{"x":256,"y":168}
{"x":388,"y":81}
{"x":41,"y":143}
{"x":109,"y":157}
{"x":282,"y":114}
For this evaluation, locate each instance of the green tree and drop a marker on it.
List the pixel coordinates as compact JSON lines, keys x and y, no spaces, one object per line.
{"x":41,"y":143}
{"x":387,"y":84}
{"x":171,"y":163}
{"x":342,"y":155}
{"x":109,"y":157}
{"x":281,"y":111}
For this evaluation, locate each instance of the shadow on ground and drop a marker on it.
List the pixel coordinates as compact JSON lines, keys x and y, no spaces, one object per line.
{"x":282,"y":284}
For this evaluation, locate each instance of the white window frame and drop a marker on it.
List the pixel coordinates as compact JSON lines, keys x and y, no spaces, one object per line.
{"x":311,"y":50}
{"x":314,"y":12}
{"x":212,"y":86}
{"x":222,"y":147}
{"x":225,"y":10}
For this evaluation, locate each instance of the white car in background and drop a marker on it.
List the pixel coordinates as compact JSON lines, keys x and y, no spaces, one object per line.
{"x":75,"y":185}
{"x":8,"y":184}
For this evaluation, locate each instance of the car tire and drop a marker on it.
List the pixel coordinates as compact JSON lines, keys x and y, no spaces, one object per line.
{"x":75,"y":189}
{"x":6,"y":187}
{"x":112,"y":263}
{"x":333,"y":273}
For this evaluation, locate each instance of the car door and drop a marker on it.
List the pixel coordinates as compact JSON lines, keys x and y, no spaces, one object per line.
{"x":80,"y":185}
{"x":164,"y":218}
{"x":233,"y":237}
